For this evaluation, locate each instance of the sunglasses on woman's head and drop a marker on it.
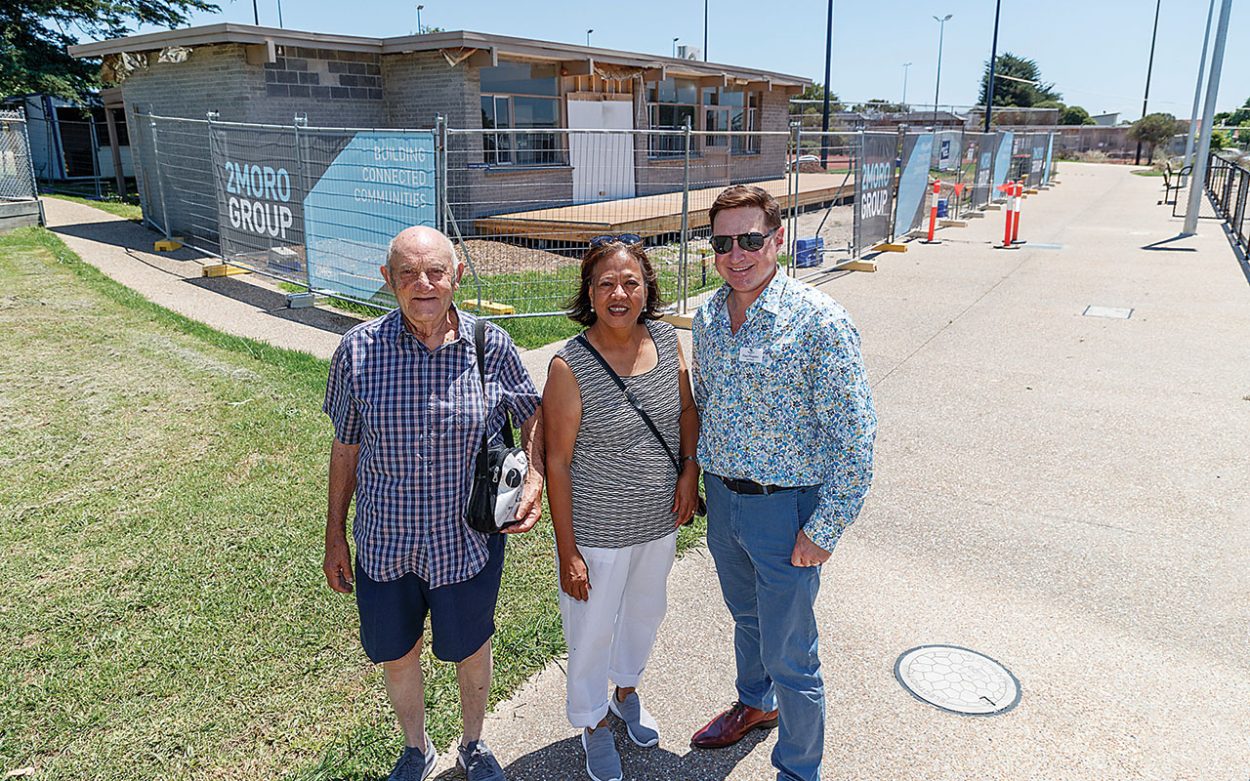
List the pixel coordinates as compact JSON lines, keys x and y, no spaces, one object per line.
{"x":750,"y":242}
{"x":629,"y":239}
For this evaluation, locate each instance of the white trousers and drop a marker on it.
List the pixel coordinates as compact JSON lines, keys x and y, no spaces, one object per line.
{"x":611,"y":634}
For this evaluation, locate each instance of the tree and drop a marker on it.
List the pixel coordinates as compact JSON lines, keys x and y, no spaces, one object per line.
{"x":35,"y":33}
{"x":1015,"y":89}
{"x":879,"y":104}
{"x":809,"y":113}
{"x":1154,"y":129}
{"x":1239,"y":117}
{"x":1219,"y":139}
{"x":1075,"y":115}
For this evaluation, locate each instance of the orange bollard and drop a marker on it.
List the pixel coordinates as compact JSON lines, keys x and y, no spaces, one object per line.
{"x":1015,"y":228}
{"x":1010,"y":189}
{"x":937,"y":189}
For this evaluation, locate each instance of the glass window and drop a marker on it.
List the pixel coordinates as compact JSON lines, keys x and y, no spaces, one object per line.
{"x":520,"y":78}
{"x":670,"y":104}
{"x":501,"y":112}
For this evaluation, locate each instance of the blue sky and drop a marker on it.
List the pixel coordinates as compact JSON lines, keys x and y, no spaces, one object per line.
{"x":1095,"y":51}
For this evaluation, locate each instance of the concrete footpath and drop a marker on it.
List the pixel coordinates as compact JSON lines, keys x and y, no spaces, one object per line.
{"x":1064,"y":493}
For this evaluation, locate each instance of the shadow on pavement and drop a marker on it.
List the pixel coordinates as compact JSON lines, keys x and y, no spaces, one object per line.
{"x":125,"y":234}
{"x":1158,"y":246}
{"x":273,"y":302}
{"x":565,"y":760}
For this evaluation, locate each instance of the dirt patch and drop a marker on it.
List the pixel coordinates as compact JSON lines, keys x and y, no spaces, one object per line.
{"x":497,"y":257}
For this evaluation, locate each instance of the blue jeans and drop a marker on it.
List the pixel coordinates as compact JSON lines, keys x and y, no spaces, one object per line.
{"x":775,"y":637}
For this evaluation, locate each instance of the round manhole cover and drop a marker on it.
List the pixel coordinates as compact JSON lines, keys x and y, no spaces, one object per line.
{"x":958,"y":680}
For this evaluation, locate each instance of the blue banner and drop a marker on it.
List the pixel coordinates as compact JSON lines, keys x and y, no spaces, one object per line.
{"x":1002,"y":162}
{"x":913,"y":184}
{"x":1050,"y":150}
{"x":378,"y":184}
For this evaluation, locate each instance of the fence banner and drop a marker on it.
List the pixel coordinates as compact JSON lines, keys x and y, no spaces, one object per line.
{"x":981,"y":157}
{"x":260,"y":192}
{"x":1002,"y":162}
{"x":378,"y":184}
{"x":1037,"y":158}
{"x":1050,"y":151}
{"x":874,"y":189}
{"x":913,"y":183}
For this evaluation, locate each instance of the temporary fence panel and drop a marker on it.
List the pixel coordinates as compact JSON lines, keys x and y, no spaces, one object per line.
{"x":874,"y":189}
{"x":1228,"y":185}
{"x":823,"y":224}
{"x":361,"y":189}
{"x":1048,"y":165}
{"x":913,"y":183}
{"x":184,"y":180}
{"x":17,"y":174}
{"x":979,"y":160}
{"x":1002,"y":164}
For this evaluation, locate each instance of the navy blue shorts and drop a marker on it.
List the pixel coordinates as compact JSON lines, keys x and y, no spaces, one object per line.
{"x":462,"y":615}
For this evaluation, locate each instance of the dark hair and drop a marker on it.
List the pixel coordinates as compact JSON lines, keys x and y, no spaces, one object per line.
{"x":750,"y":196}
{"x":580,"y":309}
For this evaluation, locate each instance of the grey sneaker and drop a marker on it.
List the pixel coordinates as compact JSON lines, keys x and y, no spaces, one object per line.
{"x":602,"y":761}
{"x":414,"y":764}
{"x":639,"y":724}
{"x":478,"y":763}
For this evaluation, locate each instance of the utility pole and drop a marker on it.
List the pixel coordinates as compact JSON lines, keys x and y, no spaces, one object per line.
{"x":705,"y":2}
{"x":906,"y":65}
{"x":989,"y":93}
{"x":1198,"y":182}
{"x":941,"y":20}
{"x":824,"y":120}
{"x":1150,"y":64}
{"x":1193,"y":112}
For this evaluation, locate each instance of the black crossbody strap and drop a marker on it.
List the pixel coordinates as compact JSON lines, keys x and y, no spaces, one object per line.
{"x":479,"y":344}
{"x":631,"y":398}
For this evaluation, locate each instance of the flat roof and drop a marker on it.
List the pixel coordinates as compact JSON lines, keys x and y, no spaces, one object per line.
{"x":496,"y":45}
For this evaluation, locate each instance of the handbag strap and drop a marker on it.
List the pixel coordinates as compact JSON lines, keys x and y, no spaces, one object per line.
{"x":479,"y":345}
{"x":631,"y":398}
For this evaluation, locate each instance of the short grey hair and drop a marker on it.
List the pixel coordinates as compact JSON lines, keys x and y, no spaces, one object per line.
{"x":391,"y":248}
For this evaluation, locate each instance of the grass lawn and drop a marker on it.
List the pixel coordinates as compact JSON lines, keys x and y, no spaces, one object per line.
{"x":123,"y":209}
{"x":162,"y":496}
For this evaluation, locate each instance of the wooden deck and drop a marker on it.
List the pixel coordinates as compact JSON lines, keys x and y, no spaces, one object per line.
{"x":651,"y":215}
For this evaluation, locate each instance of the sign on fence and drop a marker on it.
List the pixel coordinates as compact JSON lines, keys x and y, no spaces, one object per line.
{"x":874,"y":189}
{"x":913,"y":183}
{"x":379,"y":184}
{"x":320,"y":207}
{"x":1002,"y":162}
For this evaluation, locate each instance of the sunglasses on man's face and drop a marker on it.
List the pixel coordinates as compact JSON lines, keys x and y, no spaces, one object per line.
{"x":628,"y":239}
{"x":750,"y":242}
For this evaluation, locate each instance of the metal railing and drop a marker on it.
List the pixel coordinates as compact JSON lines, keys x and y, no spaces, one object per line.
{"x":1228,"y":185}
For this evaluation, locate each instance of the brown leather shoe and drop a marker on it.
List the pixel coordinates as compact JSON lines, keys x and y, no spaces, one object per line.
{"x":733,"y":725}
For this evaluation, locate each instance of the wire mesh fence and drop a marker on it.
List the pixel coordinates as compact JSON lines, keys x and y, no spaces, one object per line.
{"x":17,"y":174}
{"x":317,"y":207}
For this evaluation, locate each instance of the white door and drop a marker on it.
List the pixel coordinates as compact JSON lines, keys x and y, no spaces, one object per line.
{"x":603,"y":163}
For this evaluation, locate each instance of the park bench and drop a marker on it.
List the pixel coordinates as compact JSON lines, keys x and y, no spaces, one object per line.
{"x":1172,"y":183}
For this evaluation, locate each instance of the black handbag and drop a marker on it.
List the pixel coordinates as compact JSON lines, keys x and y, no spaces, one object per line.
{"x":700,"y":508}
{"x":499,"y":476}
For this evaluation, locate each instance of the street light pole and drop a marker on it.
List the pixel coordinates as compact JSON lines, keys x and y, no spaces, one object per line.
{"x":419,"y":28}
{"x":588,"y":32}
{"x":1198,"y":182}
{"x":674,"y":48}
{"x":941,"y":20}
{"x":1149,"y":67}
{"x":906,"y":65}
{"x":1193,"y":113}
{"x":705,"y":2}
{"x":824,"y":121}
{"x":989,"y":93}
{"x":255,"y":14}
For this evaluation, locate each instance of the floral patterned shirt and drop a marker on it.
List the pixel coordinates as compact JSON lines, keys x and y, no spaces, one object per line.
{"x":785,"y":400}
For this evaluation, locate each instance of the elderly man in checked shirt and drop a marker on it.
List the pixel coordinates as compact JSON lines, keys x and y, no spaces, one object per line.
{"x":406,"y":401}
{"x":786,"y":448}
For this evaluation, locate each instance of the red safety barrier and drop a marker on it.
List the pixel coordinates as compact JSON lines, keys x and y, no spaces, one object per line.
{"x":1015,"y":228}
{"x":1009,"y":189}
{"x":937,"y":190}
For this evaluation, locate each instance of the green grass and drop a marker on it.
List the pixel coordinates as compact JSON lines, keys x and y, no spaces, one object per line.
{"x":1148,"y":172}
{"x":124,"y":209}
{"x":531,"y":291}
{"x":162,"y":495}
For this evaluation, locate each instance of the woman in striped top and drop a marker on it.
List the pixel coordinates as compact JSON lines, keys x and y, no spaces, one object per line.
{"x":615,"y":495}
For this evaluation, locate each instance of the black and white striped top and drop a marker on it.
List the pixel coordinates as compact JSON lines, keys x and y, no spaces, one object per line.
{"x":623,"y":481}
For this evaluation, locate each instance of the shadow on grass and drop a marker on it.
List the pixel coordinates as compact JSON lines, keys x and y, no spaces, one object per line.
{"x":273,"y":302}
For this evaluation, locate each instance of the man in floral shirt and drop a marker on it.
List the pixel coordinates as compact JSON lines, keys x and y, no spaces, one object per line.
{"x":787,"y":428}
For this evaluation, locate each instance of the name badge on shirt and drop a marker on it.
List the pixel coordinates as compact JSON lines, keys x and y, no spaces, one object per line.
{"x":751,"y":354}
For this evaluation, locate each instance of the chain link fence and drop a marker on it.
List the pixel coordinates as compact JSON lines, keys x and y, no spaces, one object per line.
{"x":17,"y":173}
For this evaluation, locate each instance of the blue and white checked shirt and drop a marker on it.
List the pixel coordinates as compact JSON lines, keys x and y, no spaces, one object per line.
{"x":417,"y":416}
{"x":785,"y":401}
